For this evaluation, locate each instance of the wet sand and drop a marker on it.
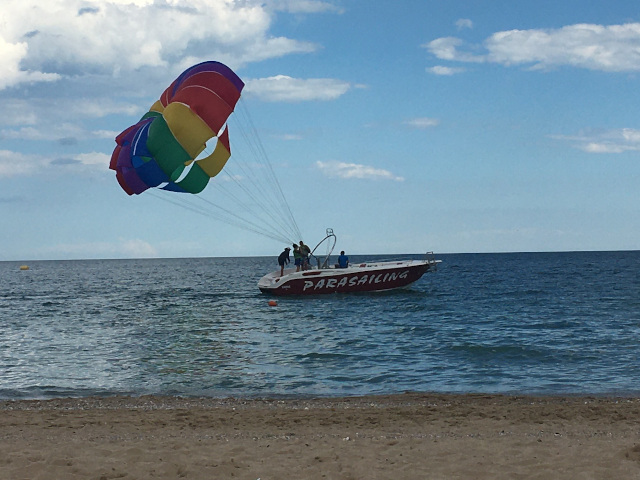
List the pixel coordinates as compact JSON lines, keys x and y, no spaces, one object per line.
{"x":408,"y":436}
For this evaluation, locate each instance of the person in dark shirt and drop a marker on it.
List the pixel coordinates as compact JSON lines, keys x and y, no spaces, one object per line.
{"x":283,"y":260}
{"x":343,"y":260}
{"x":305,"y":251}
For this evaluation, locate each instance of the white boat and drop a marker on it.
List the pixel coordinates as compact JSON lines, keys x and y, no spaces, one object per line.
{"x":360,"y":277}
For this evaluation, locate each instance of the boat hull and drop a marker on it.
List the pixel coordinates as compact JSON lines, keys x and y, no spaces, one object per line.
{"x":365,"y":277}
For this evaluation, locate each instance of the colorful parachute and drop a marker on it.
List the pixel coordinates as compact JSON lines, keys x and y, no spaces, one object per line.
{"x":161,"y":149}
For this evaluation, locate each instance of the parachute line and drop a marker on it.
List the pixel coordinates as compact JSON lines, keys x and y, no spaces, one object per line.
{"x":225,"y":217}
{"x":272,"y":192}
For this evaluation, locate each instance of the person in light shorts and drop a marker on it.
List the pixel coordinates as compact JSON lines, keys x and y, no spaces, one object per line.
{"x":297,"y":257}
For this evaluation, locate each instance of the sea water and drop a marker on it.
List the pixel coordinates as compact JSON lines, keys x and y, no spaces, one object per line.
{"x":537,"y":323}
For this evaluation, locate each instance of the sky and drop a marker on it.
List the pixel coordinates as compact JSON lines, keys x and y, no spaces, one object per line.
{"x":408,"y":126}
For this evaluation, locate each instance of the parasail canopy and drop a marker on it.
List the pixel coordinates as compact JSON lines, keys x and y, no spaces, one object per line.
{"x":162,"y":150}
{"x":171,"y":149}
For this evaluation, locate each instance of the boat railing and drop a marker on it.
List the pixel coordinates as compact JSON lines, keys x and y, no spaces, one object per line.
{"x":330,"y":241}
{"x":430,"y":258}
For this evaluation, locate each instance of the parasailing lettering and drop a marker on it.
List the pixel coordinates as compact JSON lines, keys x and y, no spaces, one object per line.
{"x":354,"y":281}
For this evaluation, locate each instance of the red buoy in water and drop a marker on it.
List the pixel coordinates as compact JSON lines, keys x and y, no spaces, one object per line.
{"x":273,"y":303}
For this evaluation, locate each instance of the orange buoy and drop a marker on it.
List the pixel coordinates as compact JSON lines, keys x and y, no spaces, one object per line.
{"x":273,"y":303}
{"x":24,"y":267}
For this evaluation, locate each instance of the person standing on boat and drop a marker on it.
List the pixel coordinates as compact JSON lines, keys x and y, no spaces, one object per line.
{"x":343,"y":260}
{"x":304,"y":251}
{"x":283,"y":260}
{"x":297,"y":257}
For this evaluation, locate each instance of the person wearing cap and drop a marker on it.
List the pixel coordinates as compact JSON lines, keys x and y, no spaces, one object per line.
{"x":283,"y":259}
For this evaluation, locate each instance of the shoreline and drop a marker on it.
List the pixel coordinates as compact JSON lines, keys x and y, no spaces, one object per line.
{"x":473,"y":401}
{"x":403,"y":436}
{"x":404,"y":398}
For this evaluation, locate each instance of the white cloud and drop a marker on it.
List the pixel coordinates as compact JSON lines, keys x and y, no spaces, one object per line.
{"x":105,"y":134}
{"x":423,"y":122}
{"x":17,"y":112}
{"x":442,"y":70}
{"x":631,"y":135}
{"x":15,"y":164}
{"x":283,"y":88}
{"x":606,"y":141}
{"x":88,"y":107}
{"x":69,"y":38}
{"x":354,"y":170}
{"x":593,"y":147}
{"x":613,"y":48}
{"x":304,"y":6}
{"x":25,"y":133}
{"x":55,"y":132}
{"x":20,"y":112}
{"x":463,"y":23}
{"x":97,"y":159}
{"x":447,"y":48}
{"x":11,"y":54}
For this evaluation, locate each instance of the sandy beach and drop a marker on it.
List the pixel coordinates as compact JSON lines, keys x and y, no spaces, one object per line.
{"x":408,"y":436}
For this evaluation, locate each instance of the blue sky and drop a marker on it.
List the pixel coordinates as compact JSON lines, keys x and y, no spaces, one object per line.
{"x":406,"y":126}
